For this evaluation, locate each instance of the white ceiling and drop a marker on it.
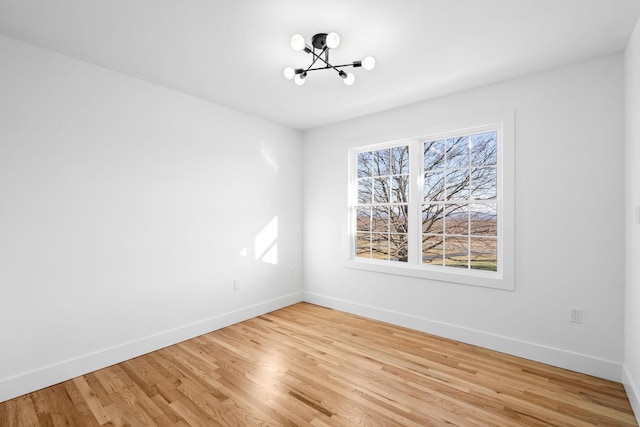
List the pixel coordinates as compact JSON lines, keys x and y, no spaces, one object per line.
{"x":232,"y":52}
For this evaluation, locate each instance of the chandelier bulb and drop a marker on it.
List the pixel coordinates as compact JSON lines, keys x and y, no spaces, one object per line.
{"x":332,"y":40}
{"x":349,"y":79}
{"x":289,"y":73}
{"x":300,"y":79}
{"x":297,"y":42}
{"x":369,"y":63}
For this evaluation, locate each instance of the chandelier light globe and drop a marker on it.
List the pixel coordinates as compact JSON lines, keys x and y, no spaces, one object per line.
{"x":369,"y":63}
{"x":350,"y":79}
{"x":299,"y":79}
{"x":333,"y":40}
{"x":289,"y":73}
{"x":297,"y":42}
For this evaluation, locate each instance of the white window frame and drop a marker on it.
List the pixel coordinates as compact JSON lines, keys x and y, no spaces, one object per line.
{"x":504,"y":277}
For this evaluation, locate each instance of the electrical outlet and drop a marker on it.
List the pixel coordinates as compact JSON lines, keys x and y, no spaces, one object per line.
{"x":236,"y":284}
{"x":575,"y":315}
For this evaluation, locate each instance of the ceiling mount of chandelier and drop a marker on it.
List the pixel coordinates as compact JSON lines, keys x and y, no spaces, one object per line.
{"x":319,"y":48}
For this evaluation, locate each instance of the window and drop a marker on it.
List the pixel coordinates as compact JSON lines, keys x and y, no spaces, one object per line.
{"x":438,"y":206}
{"x":459,"y":209}
{"x":383,"y":196}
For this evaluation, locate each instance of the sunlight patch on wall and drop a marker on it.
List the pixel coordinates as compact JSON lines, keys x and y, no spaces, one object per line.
{"x":266,"y":243}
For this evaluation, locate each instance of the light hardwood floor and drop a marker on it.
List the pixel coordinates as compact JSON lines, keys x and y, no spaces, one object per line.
{"x":308,"y":365}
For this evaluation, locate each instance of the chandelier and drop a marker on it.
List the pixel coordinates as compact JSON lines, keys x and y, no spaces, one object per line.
{"x":321,"y":44}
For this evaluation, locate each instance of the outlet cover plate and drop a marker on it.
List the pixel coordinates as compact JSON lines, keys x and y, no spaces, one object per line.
{"x":575,"y":314}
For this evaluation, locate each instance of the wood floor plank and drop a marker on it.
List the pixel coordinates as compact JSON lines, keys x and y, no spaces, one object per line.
{"x":75,"y":402}
{"x":91,"y":400}
{"x":309,"y":365}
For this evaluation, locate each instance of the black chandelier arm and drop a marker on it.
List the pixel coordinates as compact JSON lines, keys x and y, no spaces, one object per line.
{"x":316,"y":57}
{"x":328,"y":67}
{"x":326,"y":61}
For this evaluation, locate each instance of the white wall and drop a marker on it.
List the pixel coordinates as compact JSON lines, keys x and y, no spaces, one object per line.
{"x":569,"y":222}
{"x":632,"y":232}
{"x":126,"y":211}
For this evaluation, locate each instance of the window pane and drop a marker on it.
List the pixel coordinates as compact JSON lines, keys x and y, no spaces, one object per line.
{"x":456,"y":219}
{"x":380,"y":246}
{"x":364,"y":164}
{"x":363,"y":219}
{"x":433,"y":155}
{"x":364,"y":190}
{"x":432,"y":250}
{"x":398,"y":247}
{"x":380,"y":219}
{"x":457,"y":184}
{"x":484,"y":183}
{"x":434,"y":186}
{"x":400,"y":189}
{"x":432,"y":218}
{"x":381,"y":190}
{"x":484,"y":254}
{"x":484,"y":149}
{"x":381,"y":159}
{"x":456,"y":251}
{"x":398,"y":219}
{"x":457,"y":152}
{"x":483,"y":219}
{"x":363,"y":245}
{"x":400,"y":160}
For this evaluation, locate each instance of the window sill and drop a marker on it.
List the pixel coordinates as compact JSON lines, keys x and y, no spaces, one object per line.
{"x":485,"y":279}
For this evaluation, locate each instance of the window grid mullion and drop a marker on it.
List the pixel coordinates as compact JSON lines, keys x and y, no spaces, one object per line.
{"x":470,"y":186}
{"x":416,"y":184}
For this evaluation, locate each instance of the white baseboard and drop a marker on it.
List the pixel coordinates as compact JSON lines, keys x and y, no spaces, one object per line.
{"x":53,"y":374}
{"x":633,"y":392}
{"x":540,"y":353}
